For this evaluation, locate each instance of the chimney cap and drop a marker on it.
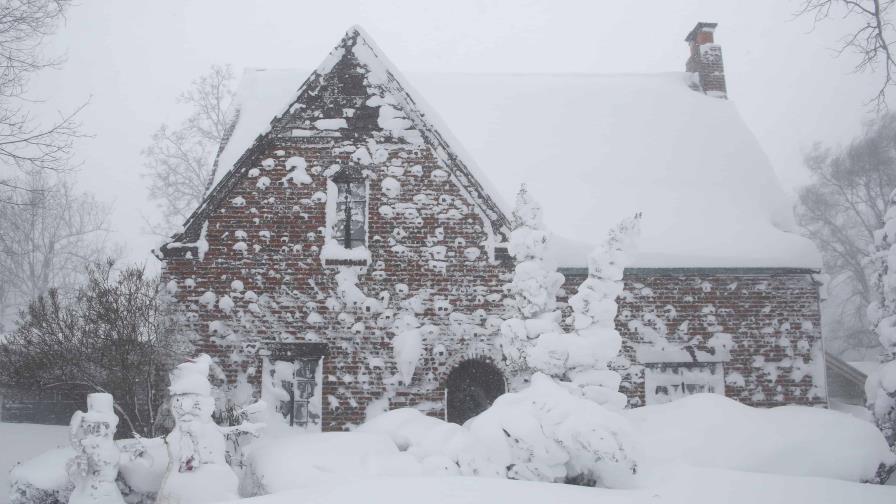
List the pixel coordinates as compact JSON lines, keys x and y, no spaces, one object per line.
{"x":699,"y":28}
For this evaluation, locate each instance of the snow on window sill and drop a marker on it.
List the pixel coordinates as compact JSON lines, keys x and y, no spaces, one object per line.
{"x":334,"y":254}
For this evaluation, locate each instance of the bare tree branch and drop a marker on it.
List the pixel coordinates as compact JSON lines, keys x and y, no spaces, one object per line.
{"x":179,"y":161}
{"x":48,"y":234}
{"x":871,"y":39}
{"x":114,"y":334}
{"x":841,"y":211}
{"x":26,"y":144}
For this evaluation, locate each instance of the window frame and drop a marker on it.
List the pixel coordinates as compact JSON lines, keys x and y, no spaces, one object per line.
{"x":345,"y":181}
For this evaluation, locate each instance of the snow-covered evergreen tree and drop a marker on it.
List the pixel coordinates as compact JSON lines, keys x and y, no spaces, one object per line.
{"x":881,"y":386}
{"x":197,"y":467}
{"x":595,"y":310}
{"x":94,"y":467}
{"x":583,"y":357}
{"x":535,"y":283}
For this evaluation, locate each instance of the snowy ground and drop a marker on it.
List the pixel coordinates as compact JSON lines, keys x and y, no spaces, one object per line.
{"x":684,"y":485}
{"x":703,"y":449}
{"x":19,"y":442}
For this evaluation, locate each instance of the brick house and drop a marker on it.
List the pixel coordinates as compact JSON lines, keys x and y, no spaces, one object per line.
{"x":337,"y":206}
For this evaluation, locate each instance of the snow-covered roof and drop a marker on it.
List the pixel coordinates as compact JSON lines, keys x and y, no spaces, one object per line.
{"x":594,"y":149}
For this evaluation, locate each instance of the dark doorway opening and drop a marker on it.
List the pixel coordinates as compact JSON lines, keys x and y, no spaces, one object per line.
{"x":472,"y":387}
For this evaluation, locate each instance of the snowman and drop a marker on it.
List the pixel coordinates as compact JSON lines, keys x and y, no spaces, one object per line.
{"x":197,"y":470}
{"x":94,"y":467}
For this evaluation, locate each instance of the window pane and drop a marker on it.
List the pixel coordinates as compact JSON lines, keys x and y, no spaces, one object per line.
{"x":339,"y":226}
{"x":357,"y":204}
{"x":358,"y":210}
{"x":359,"y":224}
{"x":358,"y":233}
{"x":358,"y":191}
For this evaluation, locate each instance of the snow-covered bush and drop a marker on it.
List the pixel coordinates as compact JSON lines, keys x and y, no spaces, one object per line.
{"x":44,"y":479}
{"x":582,"y":358}
{"x":533,"y":289}
{"x":440,"y":447}
{"x":197,"y":469}
{"x":542,"y":433}
{"x":133,"y":333}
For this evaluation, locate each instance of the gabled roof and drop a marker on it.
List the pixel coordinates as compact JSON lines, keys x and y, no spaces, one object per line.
{"x":254,"y":123}
{"x":593,"y":149}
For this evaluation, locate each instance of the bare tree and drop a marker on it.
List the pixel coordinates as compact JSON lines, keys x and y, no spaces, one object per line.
{"x":209,"y":97}
{"x":26,"y":144}
{"x":48,"y":233}
{"x":179,"y":161}
{"x":114,"y":334}
{"x":841,"y":211}
{"x":871,"y":39}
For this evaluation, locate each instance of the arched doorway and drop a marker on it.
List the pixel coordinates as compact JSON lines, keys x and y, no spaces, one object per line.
{"x":471,"y":388}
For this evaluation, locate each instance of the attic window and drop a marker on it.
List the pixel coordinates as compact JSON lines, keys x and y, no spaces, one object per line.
{"x":350,"y":228}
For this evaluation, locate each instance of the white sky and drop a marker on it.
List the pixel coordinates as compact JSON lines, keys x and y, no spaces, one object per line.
{"x":132,"y":58}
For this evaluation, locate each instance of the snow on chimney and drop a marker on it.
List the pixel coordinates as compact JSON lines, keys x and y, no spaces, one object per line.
{"x":706,"y":61}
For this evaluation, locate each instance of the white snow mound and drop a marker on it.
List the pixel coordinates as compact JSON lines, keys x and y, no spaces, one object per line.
{"x":711,"y":430}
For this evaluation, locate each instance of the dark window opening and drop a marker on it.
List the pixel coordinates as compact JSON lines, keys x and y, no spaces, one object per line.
{"x":472,"y":387}
{"x":351,"y":212}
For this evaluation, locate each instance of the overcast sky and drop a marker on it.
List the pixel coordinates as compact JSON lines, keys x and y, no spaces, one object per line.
{"x":132,"y":58}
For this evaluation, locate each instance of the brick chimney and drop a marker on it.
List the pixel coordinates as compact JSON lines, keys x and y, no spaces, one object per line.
{"x":705,"y":62}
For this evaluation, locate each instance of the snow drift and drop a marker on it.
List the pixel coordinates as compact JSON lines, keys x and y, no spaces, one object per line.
{"x":542,"y":433}
{"x":711,"y":430}
{"x":305,"y":460}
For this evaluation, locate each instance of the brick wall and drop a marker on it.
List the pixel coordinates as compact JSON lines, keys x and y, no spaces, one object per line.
{"x":772,"y":315}
{"x":286,"y":271}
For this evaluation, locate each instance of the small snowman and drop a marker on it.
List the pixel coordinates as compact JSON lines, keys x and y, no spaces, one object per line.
{"x":94,"y":467}
{"x":197,"y":469}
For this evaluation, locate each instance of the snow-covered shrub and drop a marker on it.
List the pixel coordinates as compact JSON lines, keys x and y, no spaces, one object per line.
{"x":542,"y":433}
{"x":880,"y":387}
{"x":582,"y":358}
{"x":133,"y":331}
{"x":533,"y":289}
{"x":44,"y":480}
{"x":545,"y":433}
{"x":440,"y":447}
